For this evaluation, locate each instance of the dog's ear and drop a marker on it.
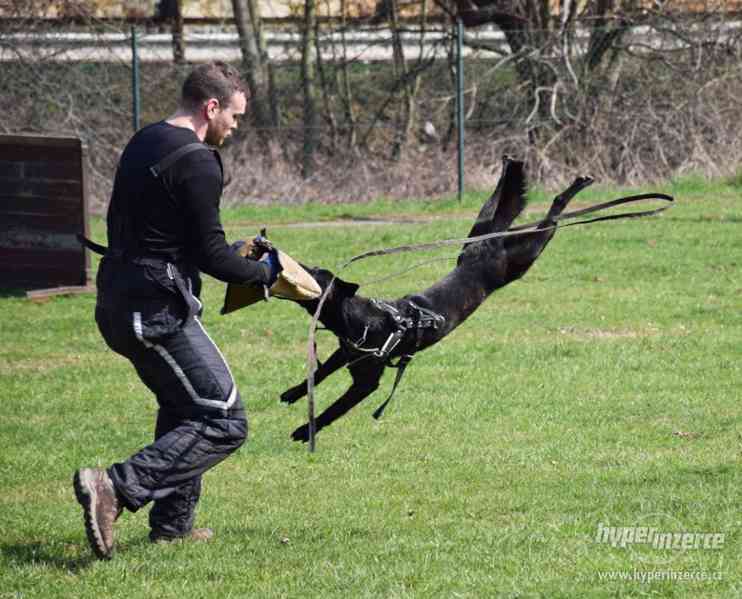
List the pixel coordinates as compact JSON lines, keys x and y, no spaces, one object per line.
{"x":345,"y":288}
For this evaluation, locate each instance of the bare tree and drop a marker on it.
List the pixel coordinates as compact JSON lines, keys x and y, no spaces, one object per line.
{"x":309,"y":86}
{"x":406,"y":108}
{"x":171,"y":11}
{"x":346,"y":92}
{"x":538,"y":31}
{"x":257,"y":66}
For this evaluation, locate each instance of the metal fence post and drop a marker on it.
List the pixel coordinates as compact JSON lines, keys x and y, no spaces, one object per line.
{"x":460,"y":101}
{"x":135,"y":79}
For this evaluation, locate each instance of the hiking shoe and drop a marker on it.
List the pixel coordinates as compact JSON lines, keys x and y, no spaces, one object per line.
{"x":197,"y":535}
{"x":95,"y":493}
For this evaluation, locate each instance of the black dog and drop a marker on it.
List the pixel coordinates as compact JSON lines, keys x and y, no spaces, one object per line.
{"x":371,"y":332}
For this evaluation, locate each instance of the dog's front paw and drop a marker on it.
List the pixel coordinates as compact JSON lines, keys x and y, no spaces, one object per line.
{"x":301,"y":433}
{"x":292,"y":395}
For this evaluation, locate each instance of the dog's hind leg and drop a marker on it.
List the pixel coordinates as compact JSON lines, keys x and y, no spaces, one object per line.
{"x":337,"y":360}
{"x":560,"y":202}
{"x":497,"y":214}
{"x":505,"y":203}
{"x":523,"y":250}
{"x":365,"y":381}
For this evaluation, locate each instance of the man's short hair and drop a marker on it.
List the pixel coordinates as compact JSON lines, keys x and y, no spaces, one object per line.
{"x":212,"y":80}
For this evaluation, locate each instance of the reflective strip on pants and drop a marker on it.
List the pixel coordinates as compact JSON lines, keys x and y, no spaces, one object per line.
{"x":171,"y":362}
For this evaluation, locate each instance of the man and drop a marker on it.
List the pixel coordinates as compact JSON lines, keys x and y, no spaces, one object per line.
{"x":163,"y":227}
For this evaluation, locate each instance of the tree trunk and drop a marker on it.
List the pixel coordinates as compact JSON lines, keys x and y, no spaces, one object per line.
{"x":411,"y":79}
{"x":178,"y":39}
{"x":527,"y":27}
{"x":309,"y":85}
{"x":327,"y":95}
{"x":171,"y":11}
{"x":346,"y":92}
{"x":256,"y":66}
{"x":607,"y":31}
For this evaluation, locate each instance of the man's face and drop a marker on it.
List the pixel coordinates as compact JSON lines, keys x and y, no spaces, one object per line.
{"x":223,"y":119}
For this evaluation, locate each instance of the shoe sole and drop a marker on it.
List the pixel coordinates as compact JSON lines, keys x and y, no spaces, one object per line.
{"x":87,"y":497}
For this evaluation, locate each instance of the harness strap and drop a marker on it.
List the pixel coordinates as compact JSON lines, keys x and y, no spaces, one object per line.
{"x":422,"y":319}
{"x":427,"y":318}
{"x":391,"y":342}
{"x":157,"y":169}
{"x":401,"y":365}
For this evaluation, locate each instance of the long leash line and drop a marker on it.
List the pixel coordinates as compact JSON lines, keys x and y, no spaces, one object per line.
{"x":511,"y":232}
{"x":399,"y":273}
{"x":572,"y":214}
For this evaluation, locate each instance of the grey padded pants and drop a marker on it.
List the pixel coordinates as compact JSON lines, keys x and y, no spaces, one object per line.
{"x":201,"y":419}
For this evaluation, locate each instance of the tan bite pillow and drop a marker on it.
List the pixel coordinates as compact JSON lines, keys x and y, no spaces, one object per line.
{"x":293,"y":283}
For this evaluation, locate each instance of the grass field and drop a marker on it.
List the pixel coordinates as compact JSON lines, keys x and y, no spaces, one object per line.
{"x":602,"y":390}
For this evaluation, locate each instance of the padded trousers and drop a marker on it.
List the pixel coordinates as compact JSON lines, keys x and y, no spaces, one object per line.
{"x":201,"y":419}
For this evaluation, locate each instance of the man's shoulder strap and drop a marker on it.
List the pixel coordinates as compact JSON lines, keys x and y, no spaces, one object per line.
{"x":176,"y":155}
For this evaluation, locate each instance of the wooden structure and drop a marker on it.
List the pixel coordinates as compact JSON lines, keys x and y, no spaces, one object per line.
{"x":43,"y":205}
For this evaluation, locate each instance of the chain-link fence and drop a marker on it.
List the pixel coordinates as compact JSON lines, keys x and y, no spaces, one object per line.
{"x":626,"y":101}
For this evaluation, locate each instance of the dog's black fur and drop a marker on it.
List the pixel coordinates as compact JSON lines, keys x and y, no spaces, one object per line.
{"x":482,"y":267}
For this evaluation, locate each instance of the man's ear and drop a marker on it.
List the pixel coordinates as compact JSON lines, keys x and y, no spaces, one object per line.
{"x":211,"y":108}
{"x":345,"y":288}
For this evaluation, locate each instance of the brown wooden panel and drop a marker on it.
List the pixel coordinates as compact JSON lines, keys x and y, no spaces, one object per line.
{"x":22,"y":234}
{"x":13,"y":258}
{"x":61,"y":205}
{"x":10,"y":169}
{"x":85,"y":195}
{"x":42,"y":295}
{"x":42,"y":206}
{"x":42,"y":221}
{"x":45,"y":141}
{"x":34,"y":152}
{"x":34,"y":268}
{"x":42,"y":188}
{"x":52,"y":169}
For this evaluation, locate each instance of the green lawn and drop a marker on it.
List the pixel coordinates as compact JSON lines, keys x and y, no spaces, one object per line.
{"x":602,"y":390}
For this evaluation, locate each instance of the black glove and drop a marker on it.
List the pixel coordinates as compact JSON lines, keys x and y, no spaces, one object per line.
{"x":262,"y":243}
{"x":271,"y":259}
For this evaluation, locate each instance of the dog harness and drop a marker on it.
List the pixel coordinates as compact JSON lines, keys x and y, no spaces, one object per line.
{"x":421,"y":318}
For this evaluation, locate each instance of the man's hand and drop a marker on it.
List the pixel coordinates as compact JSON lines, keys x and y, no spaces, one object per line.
{"x":262,"y":244}
{"x":252,"y":248}
{"x":270,"y":257}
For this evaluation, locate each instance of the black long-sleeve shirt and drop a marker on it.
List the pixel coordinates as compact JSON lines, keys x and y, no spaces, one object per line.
{"x":176,"y":216}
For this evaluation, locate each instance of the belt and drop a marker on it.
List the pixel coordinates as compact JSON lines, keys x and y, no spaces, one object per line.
{"x":121,"y":256}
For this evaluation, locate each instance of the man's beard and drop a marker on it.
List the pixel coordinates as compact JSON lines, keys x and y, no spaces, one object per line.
{"x":213,"y":138}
